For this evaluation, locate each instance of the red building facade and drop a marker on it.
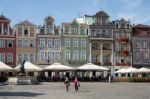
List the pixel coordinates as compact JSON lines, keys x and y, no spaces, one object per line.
{"x":7,"y":42}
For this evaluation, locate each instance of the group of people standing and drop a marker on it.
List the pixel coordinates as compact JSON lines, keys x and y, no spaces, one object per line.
{"x":75,"y":81}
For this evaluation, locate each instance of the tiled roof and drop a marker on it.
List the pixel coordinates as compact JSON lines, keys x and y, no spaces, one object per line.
{"x":2,"y":17}
{"x":141,"y":26}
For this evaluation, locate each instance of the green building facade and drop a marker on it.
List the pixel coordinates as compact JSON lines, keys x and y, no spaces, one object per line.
{"x":75,"y":44}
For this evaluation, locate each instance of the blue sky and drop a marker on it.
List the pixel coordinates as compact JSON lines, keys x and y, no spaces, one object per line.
{"x":138,"y":11}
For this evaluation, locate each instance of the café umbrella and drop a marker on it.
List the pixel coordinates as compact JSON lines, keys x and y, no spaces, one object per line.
{"x":29,"y":67}
{"x":4,"y":67}
{"x":90,"y":66}
{"x":58,"y":66}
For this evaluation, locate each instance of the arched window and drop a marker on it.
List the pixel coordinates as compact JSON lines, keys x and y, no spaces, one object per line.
{"x":106,"y":46}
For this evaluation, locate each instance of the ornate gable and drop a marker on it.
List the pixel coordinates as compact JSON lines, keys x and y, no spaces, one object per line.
{"x":25,"y":23}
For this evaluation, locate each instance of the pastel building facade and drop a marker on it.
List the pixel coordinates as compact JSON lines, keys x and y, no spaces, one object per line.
{"x":101,"y":38}
{"x":123,"y":40}
{"x":25,"y":42}
{"x":7,"y":42}
{"x":141,"y":45}
{"x":48,"y":43}
{"x":75,"y":43}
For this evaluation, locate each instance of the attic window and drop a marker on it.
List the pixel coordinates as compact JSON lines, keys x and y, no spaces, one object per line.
{"x":25,"y":32}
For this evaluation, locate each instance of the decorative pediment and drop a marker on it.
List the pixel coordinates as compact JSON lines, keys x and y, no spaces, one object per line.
{"x":25,"y":23}
{"x":75,"y":23}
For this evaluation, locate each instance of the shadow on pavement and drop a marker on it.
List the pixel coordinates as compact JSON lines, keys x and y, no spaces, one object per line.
{"x":25,"y":94}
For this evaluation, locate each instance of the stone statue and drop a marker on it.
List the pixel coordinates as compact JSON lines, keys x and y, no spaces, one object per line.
{"x":22,"y":69}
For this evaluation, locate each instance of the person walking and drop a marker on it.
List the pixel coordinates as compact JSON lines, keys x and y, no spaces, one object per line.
{"x":76,"y":84}
{"x":67,"y":84}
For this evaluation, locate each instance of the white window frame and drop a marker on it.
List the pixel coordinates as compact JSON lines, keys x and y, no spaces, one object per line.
{"x":20,"y":57}
{"x":9,"y":57}
{"x":67,"y":54}
{"x":67,"y":42}
{"x":2,"y":43}
{"x":50,"y":43}
{"x":42,"y":42}
{"x":83,"y":43}
{"x":57,"y":43}
{"x":25,"y":43}
{"x":2,"y":57}
{"x":57,"y":56}
{"x":75,"y":54}
{"x":42,"y":55}
{"x":83,"y":55}
{"x":19,"y":43}
{"x":50,"y":56}
{"x":75,"y":42}
{"x":32,"y":58}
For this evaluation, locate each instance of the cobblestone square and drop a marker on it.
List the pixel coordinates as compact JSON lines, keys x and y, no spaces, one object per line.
{"x":97,"y":90}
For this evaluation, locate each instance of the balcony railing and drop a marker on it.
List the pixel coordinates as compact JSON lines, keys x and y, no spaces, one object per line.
{"x":123,"y":40}
{"x":123,"y":64}
{"x":124,"y":52}
{"x":101,"y":36}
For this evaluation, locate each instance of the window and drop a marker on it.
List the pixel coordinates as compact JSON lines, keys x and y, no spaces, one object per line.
{"x":92,"y":32}
{"x":117,"y":25}
{"x":25,"y":32}
{"x":2,"y":57}
{"x":2,"y":43}
{"x":42,"y":43}
{"x":50,"y":43}
{"x":10,"y":44}
{"x":137,"y":56}
{"x":66,"y":30}
{"x":82,"y":31}
{"x":48,"y":31}
{"x":122,"y":25}
{"x":74,"y":30}
{"x":57,"y":56}
{"x":19,"y":43}
{"x":20,"y":58}
{"x":50,"y":56}
{"x":32,"y":43}
{"x":137,"y":44}
{"x":9,"y":57}
{"x":67,"y":53}
{"x":75,"y":43}
{"x":75,"y":55}
{"x":83,"y":43}
{"x":83,"y":55}
{"x":57,"y":43}
{"x":145,"y":44}
{"x":25,"y":43}
{"x":32,"y":58}
{"x":67,"y":42}
{"x":145,"y":55}
{"x":42,"y":56}
{"x":26,"y":57}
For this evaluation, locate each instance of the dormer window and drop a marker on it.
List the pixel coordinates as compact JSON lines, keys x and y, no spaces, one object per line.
{"x":117,"y":25}
{"x":74,"y":30}
{"x":128,"y":26}
{"x":122,"y":25}
{"x":49,"y":31}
